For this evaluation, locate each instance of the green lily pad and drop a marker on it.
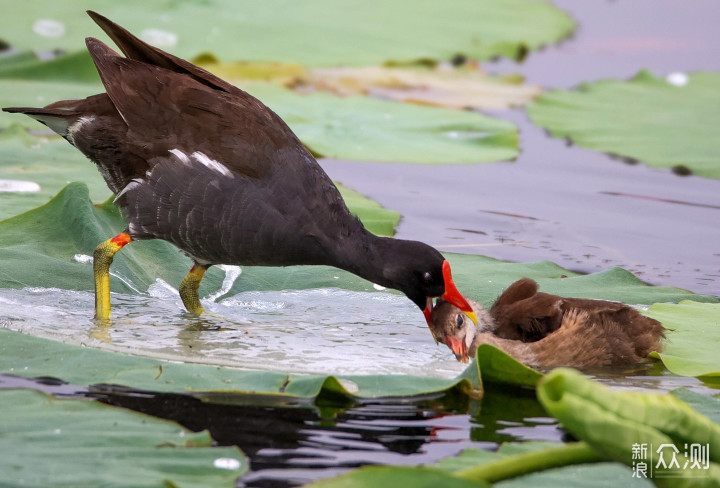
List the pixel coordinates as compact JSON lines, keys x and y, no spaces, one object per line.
{"x":29,"y":356}
{"x":694,"y":338}
{"x":361,"y":128}
{"x":321,"y":32}
{"x":76,"y":67}
{"x":646,"y":119}
{"x":374,"y":476}
{"x":60,"y":442}
{"x":497,"y":366}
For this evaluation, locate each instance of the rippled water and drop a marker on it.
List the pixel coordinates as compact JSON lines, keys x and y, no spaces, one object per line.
{"x":326,"y":331}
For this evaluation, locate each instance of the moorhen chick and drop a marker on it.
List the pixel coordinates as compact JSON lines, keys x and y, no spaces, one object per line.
{"x":543,"y":330}
{"x":200,"y":163}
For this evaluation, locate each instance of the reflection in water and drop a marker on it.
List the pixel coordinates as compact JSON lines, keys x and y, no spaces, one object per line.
{"x":293,"y":444}
{"x":294,"y":441}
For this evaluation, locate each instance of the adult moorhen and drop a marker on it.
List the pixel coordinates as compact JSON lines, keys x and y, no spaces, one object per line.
{"x":544,"y":330}
{"x":202,"y":164}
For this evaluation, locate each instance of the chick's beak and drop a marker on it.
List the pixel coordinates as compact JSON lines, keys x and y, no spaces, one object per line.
{"x":427,"y":311}
{"x":453,"y":296}
{"x":459,"y":348}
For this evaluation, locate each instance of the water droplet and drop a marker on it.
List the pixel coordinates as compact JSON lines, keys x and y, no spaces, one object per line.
{"x":227,"y":463}
{"x":159,"y":38}
{"x":464,"y":135}
{"x":379,"y":287}
{"x":83,"y":259}
{"x":57,"y":431}
{"x":350,"y":386}
{"x":17,"y":186}
{"x":48,"y":28}
{"x":677,"y":79}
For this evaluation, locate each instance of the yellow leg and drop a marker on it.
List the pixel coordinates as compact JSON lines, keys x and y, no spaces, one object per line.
{"x":189,"y":289}
{"x":102,"y":259}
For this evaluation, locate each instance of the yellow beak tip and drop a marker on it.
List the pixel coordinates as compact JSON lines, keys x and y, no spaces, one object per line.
{"x":472,"y":316}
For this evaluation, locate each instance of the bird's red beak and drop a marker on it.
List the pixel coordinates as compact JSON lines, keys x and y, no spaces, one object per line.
{"x":459,"y":348}
{"x":452,"y":296}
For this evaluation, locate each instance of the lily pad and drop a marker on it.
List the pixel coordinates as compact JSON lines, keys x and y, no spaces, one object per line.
{"x":497,"y":366}
{"x":316,"y":33}
{"x":647,"y":119}
{"x":694,"y":338}
{"x":61,"y":442}
{"x":458,"y":89}
{"x":362,"y":129}
{"x":374,"y":476}
{"x":29,"y":356}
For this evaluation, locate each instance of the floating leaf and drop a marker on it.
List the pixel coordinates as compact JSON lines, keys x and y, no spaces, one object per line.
{"x":694,"y":338}
{"x":646,"y":119}
{"x":61,"y":442}
{"x":29,"y":356}
{"x":315,"y":33}
{"x":457,"y":89}
{"x":497,"y":366}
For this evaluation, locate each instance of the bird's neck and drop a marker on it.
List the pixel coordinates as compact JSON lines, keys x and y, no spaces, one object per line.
{"x":366,"y":255}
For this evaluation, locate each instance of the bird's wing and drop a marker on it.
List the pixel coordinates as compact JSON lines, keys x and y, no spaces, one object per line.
{"x":139,"y":50}
{"x":236,"y":131}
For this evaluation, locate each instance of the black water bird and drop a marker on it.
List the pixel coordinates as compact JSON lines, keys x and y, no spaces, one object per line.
{"x":200,"y":163}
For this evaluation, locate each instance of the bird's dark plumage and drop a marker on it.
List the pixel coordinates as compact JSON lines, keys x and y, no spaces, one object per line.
{"x":204,"y":165}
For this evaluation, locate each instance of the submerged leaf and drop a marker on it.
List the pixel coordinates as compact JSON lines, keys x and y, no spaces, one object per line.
{"x":457,"y":89}
{"x":647,"y":119}
{"x":61,"y":442}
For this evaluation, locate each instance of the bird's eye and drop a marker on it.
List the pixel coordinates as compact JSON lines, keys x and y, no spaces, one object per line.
{"x":427,"y":277}
{"x":460,"y":320}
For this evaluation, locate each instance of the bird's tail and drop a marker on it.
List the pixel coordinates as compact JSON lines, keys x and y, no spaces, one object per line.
{"x":57,"y":116}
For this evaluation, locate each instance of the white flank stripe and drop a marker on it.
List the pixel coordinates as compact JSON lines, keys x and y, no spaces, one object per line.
{"x":211,"y":164}
{"x":134,"y":183}
{"x":180,"y":155}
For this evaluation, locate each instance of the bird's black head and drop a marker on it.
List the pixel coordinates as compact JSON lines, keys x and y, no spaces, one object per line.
{"x":422,"y":273}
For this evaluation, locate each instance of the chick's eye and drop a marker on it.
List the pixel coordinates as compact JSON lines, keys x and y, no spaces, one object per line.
{"x":460,"y":320}
{"x":427,"y":277}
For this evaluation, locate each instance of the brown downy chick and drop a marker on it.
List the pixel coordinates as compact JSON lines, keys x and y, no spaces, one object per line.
{"x":543,"y":330}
